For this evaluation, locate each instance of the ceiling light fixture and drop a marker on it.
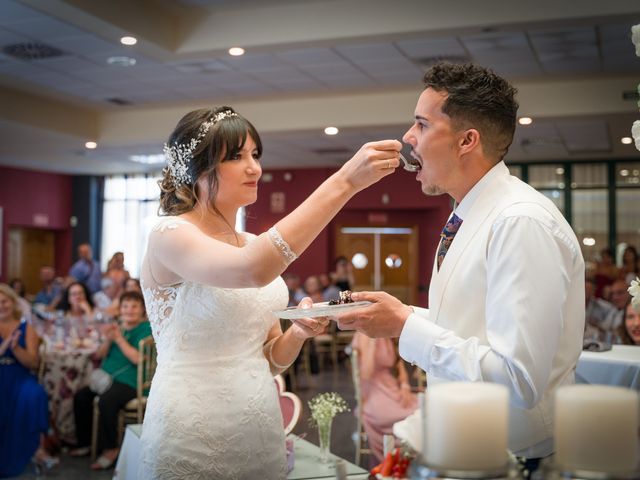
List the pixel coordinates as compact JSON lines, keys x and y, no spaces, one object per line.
{"x":148,"y":159}
{"x":331,"y":130}
{"x":121,"y":61}
{"x":236,"y":51}
{"x":90,"y":145}
{"x":128,"y":40}
{"x":525,"y":120}
{"x":626,"y":140}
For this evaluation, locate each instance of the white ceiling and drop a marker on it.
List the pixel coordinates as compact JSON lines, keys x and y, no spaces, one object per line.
{"x":355,"y":64}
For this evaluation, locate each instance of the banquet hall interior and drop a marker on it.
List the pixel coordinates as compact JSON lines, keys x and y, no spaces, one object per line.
{"x":91,"y":89}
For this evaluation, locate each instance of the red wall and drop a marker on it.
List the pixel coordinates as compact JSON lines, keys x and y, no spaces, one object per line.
{"x":31,"y":199}
{"x":407,"y":206}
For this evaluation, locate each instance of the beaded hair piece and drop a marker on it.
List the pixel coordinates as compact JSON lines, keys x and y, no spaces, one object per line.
{"x":179,"y":156}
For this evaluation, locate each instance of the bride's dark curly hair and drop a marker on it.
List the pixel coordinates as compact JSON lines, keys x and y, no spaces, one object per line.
{"x":227,"y":136}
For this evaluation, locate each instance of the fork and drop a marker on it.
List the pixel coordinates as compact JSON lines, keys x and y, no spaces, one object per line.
{"x":408,"y":166}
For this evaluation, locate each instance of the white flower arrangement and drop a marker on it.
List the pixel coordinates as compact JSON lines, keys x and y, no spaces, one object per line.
{"x":635,"y":38}
{"x":635,"y":132}
{"x":634,"y":291}
{"x":325,"y":406}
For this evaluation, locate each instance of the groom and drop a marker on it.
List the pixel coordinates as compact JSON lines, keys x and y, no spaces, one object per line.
{"x":506,"y":300}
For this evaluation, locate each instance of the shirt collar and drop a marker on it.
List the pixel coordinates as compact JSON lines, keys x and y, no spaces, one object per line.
{"x":463,"y":208}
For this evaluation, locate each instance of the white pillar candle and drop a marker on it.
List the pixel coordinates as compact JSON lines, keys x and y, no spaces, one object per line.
{"x":467,"y":426}
{"x":596,"y":428}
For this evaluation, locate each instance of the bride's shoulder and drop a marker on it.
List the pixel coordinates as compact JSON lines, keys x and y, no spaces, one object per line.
{"x":168,"y":223}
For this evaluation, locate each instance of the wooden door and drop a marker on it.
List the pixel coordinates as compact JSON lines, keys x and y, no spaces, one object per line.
{"x":28,"y":250}
{"x":392,"y":259}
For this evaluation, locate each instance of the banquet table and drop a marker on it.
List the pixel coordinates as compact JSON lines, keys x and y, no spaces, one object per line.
{"x":619,"y":366}
{"x":68,"y":363}
{"x":307,"y":464}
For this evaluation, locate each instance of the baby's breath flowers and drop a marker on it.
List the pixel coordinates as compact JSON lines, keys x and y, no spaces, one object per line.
{"x":325,"y":406}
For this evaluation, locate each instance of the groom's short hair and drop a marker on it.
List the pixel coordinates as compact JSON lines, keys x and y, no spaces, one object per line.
{"x":480,"y":99}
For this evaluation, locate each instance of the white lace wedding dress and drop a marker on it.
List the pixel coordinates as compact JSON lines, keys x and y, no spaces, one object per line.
{"x":213,"y":410}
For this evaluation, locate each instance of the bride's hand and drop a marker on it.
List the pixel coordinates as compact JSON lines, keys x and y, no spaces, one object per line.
{"x":373,"y":161}
{"x":308,"y":327}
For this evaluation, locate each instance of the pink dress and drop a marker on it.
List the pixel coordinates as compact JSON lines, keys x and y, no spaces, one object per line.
{"x":381,"y":406}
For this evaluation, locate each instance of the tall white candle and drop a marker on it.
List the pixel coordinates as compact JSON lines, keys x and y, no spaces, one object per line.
{"x":467,"y":426}
{"x":596,"y":428}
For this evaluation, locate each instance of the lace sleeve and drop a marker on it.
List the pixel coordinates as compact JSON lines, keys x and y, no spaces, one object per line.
{"x":178,"y":250}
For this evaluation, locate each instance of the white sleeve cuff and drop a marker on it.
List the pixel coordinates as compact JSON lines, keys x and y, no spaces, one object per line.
{"x":418,"y":337}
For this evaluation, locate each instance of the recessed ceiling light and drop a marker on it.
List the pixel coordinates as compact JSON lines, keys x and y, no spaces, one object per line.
{"x":236,"y":51}
{"x":626,"y":140}
{"x":121,"y":61}
{"x":588,"y":241}
{"x":128,"y":40}
{"x":91,"y":145}
{"x":525,"y":120}
{"x":331,"y":130}
{"x":148,"y":159}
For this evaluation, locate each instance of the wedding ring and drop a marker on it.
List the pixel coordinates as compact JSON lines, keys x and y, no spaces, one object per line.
{"x":388,"y":164}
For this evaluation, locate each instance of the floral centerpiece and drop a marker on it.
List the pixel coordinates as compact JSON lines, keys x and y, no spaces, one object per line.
{"x":324,"y":407}
{"x":634,"y":291}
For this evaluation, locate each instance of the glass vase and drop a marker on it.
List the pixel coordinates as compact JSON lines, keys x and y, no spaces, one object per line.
{"x":324,"y":437}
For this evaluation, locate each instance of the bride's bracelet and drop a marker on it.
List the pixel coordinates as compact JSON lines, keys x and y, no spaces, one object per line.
{"x":269,"y":347}
{"x":282,"y":245}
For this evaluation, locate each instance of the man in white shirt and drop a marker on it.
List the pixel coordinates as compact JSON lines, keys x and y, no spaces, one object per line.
{"x":506,"y":299}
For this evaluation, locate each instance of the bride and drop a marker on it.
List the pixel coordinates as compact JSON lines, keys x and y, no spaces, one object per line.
{"x":213,"y":410}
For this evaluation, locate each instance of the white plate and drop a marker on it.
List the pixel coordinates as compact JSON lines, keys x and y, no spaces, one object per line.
{"x":322,"y":309}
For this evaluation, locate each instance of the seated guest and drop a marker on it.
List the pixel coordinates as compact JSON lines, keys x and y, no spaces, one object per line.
{"x":116,"y":270}
{"x":132,"y":285}
{"x":50,"y":290}
{"x":78,"y":307}
{"x":619,"y":298}
{"x":86,"y":269}
{"x":599,"y":314}
{"x":24,"y":410}
{"x":313,"y":288}
{"x":628,"y":333}
{"x":120,"y":354}
{"x":329,"y":290}
{"x":630,"y":264}
{"x":384,"y":383}
{"x":18,"y":286}
{"x":106,"y":300}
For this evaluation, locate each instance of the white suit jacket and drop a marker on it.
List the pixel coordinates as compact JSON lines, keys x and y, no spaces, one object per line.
{"x":483,"y":323}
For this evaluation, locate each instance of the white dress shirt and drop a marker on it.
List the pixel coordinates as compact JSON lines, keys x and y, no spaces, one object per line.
{"x":531,"y":309}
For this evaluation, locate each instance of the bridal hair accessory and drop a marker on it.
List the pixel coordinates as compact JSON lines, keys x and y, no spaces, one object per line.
{"x":179,"y":156}
{"x":634,"y":291}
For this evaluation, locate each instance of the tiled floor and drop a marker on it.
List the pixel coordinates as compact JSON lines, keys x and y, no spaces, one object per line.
{"x":327,"y":380}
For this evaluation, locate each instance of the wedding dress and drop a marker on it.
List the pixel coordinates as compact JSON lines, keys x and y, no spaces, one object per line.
{"x":213,"y":410}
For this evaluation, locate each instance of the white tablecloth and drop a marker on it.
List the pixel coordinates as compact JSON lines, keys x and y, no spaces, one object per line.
{"x":307,"y":465}
{"x":619,"y":366}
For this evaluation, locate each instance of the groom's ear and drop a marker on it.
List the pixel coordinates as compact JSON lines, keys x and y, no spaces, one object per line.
{"x":469,"y":140}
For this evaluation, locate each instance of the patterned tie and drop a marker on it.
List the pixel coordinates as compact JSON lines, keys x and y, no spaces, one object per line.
{"x":448,"y":232}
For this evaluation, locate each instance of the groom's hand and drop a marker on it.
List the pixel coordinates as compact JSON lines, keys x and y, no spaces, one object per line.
{"x":384,"y":318}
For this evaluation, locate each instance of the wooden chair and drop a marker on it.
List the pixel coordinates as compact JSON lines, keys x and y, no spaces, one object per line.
{"x":360,"y":436}
{"x":133,"y":411}
{"x":42,"y":361}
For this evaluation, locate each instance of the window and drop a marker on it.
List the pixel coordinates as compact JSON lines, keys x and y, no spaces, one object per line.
{"x":130,"y":212}
{"x":590,"y":207}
